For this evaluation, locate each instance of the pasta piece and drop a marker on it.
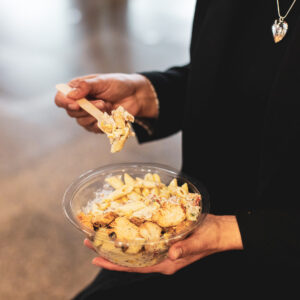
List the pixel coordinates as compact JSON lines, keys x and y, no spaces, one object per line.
{"x":129,"y":180}
{"x":164,"y":193}
{"x":155,"y":191}
{"x":145,"y":183}
{"x":156,"y":178}
{"x":118,"y":128}
{"x":103,"y":205}
{"x":118,"y":116}
{"x":117,"y":143}
{"x":106,"y":127}
{"x":114,"y":181}
{"x":100,"y":236}
{"x":123,"y":191}
{"x":185,"y":187}
{"x":148,"y":177}
{"x":145,"y":192}
{"x":137,"y":190}
{"x":134,"y":196}
{"x":179,"y":192}
{"x":110,"y":248}
{"x":173,"y":183}
{"x":124,"y":199}
{"x":129,"y":208}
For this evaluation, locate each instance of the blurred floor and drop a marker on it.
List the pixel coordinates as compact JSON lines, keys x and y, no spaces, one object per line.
{"x":42,"y":150}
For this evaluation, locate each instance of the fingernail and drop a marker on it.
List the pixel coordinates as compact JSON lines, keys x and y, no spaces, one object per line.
{"x":177,"y":253}
{"x":100,"y":105}
{"x":73,"y":106}
{"x":73,"y":92}
{"x":94,"y":261}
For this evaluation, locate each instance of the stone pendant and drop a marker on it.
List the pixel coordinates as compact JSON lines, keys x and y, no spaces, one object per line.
{"x":279,"y":30}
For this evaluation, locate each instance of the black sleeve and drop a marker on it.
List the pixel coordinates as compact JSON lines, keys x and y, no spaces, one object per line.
{"x":170,"y":87}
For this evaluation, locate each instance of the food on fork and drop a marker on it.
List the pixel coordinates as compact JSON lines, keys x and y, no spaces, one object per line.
{"x":117,"y":126}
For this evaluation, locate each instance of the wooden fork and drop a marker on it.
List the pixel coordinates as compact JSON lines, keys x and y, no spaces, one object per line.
{"x":103,"y":119}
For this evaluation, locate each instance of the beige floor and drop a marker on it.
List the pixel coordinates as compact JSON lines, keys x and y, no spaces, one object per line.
{"x":42,"y":150}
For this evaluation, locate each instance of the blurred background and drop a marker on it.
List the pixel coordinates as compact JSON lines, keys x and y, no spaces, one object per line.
{"x":42,"y":150}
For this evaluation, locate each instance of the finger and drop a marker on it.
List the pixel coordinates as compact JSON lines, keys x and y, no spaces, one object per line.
{"x":94,"y":128}
{"x":103,"y":263}
{"x":175,"y":253}
{"x":77,"y":113}
{"x":86,"y":121}
{"x":100,"y":104}
{"x":62,"y":100}
{"x":74,"y":106}
{"x":103,"y":105}
{"x":82,"y":87}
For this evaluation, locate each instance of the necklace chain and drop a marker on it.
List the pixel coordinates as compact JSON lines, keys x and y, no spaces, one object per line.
{"x":281,"y":18}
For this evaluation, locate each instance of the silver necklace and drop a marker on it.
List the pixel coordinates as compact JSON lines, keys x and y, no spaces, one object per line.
{"x":280,"y":27}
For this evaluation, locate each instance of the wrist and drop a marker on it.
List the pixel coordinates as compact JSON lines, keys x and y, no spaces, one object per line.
{"x":230,"y":236}
{"x":146,"y":97}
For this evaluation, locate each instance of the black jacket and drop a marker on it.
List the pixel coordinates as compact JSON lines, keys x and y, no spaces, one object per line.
{"x":237,"y":104}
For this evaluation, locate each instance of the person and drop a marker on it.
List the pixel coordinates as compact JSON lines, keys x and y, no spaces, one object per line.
{"x":237,"y":105}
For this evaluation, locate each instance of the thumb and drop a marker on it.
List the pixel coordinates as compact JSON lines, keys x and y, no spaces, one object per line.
{"x":182,"y":249}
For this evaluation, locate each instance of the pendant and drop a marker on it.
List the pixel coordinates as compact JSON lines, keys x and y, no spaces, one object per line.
{"x":279,"y":30}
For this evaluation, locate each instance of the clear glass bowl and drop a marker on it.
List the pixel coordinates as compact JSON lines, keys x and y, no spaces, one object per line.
{"x":82,"y":190}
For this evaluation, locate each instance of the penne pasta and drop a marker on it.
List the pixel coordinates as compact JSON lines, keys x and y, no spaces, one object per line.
{"x":185,"y":187}
{"x":118,"y":193}
{"x":115,"y":182}
{"x":128,"y":179}
{"x":156,"y":178}
{"x":134,"y":196}
{"x":148,"y":177}
{"x":173,"y":183}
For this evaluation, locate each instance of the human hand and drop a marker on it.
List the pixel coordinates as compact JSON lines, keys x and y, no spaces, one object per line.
{"x":107,"y":91}
{"x":217,"y":234}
